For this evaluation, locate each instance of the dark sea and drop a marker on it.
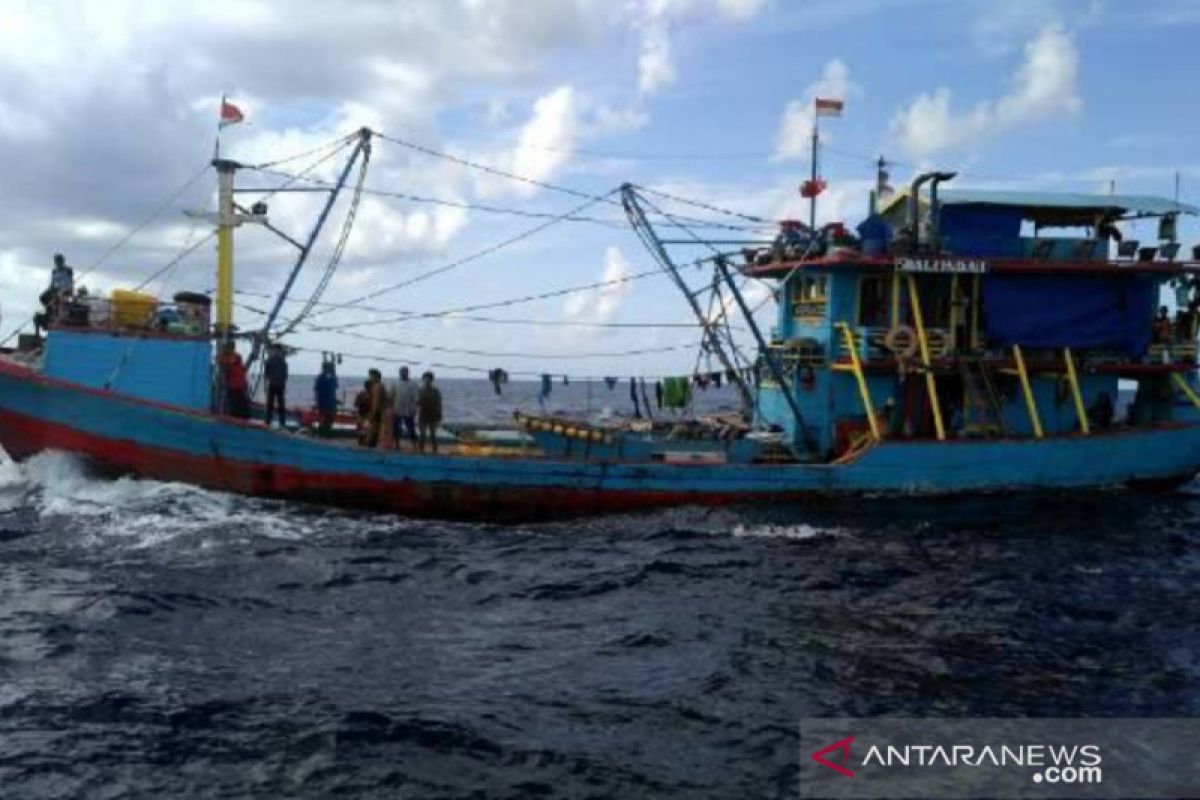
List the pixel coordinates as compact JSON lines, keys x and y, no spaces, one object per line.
{"x":160,"y":641}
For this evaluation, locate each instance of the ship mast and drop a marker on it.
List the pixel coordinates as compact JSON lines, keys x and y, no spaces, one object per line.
{"x":227,"y":220}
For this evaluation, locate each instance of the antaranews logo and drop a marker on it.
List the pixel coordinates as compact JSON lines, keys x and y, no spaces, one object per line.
{"x":1003,"y":758}
{"x":842,"y":747}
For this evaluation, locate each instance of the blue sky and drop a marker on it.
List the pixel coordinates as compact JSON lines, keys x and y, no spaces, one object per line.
{"x":105,"y":112}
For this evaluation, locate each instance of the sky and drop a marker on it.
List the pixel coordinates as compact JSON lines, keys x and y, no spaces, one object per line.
{"x":108,"y":115}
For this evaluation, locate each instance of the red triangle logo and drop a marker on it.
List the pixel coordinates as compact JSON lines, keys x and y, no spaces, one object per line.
{"x":844,"y":747}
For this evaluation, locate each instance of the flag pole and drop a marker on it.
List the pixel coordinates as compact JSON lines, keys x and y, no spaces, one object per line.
{"x":220,"y":118}
{"x":812,"y":201}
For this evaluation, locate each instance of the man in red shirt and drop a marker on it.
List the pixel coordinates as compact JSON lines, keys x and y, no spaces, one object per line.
{"x":233,"y":377}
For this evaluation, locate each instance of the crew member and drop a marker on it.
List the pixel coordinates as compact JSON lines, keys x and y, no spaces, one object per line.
{"x":54,"y":299}
{"x":429,"y":407}
{"x":404,"y":409}
{"x":233,"y":376}
{"x":362,"y":408}
{"x":275,"y":370}
{"x":326,"y":387}
{"x":376,"y":400}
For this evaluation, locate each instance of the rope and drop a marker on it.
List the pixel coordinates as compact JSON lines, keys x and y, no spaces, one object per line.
{"x":415,"y":315}
{"x":338,"y":250}
{"x":438,"y":201}
{"x":705,"y":206}
{"x":478,"y":254}
{"x":335,"y":144}
{"x":187,"y":251}
{"x":481,"y":306}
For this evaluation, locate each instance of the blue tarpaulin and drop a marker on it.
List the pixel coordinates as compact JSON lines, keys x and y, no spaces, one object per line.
{"x":1114,"y":313}
{"x":982,"y":231}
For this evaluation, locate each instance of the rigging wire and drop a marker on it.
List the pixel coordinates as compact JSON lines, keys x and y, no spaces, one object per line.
{"x":475,"y":256}
{"x":703,"y":205}
{"x":469,"y":206}
{"x":486,"y":353}
{"x":607,"y":198}
{"x":338,"y":251}
{"x":334,"y":143}
{"x":416,"y":315}
{"x":494,"y":304}
{"x":187,"y":251}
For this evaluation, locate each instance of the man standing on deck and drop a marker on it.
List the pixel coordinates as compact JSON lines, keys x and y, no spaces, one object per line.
{"x":233,"y":376}
{"x":404,"y":409}
{"x":326,"y":388}
{"x":376,"y":399}
{"x":275,"y":370}
{"x":429,"y":406}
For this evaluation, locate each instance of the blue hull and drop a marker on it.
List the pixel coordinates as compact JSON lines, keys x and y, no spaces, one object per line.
{"x":153,"y":440}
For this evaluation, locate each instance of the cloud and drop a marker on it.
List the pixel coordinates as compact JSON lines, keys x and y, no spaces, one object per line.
{"x":795,"y":127}
{"x":1044,"y":86}
{"x":653,"y":21}
{"x":602,"y":304}
{"x":538,"y":150}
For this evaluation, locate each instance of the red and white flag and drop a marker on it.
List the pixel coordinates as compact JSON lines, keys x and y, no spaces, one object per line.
{"x":828,"y":108}
{"x":230,"y":114}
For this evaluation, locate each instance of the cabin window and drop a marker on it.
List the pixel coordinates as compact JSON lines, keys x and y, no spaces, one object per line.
{"x":810,"y":295}
{"x":874,"y":302}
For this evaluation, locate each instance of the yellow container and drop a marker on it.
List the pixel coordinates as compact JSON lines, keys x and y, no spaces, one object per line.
{"x":132,"y":309}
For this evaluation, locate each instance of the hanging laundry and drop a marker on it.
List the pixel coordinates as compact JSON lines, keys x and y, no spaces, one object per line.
{"x":645,"y":398}
{"x":658,"y":393}
{"x":496,"y":377}
{"x":677,"y":392}
{"x":633,"y":395}
{"x":611,"y":383}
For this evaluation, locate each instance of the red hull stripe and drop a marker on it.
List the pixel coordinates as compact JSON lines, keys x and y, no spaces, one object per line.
{"x":26,"y":436}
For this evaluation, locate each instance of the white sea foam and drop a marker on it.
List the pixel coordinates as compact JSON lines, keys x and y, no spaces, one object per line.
{"x":799,"y":531}
{"x":139,"y":513}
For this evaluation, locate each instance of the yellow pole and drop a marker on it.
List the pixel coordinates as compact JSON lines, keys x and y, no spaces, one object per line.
{"x":1187,"y":390}
{"x":1028,"y":390}
{"x":914,"y":299}
{"x":1073,"y":378}
{"x":225,"y":223}
{"x":863,"y":390}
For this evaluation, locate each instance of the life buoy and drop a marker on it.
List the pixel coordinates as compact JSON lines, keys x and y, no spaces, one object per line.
{"x":902,"y":341}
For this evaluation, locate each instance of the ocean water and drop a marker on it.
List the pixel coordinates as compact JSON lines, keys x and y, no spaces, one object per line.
{"x":158,"y":640}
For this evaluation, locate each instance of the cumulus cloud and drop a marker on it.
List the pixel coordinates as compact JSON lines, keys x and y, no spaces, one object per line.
{"x":653,"y":22}
{"x":1044,"y":86}
{"x":603,"y":304}
{"x":795,"y":127}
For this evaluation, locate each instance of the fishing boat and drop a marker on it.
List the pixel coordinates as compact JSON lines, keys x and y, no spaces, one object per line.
{"x":953,"y":342}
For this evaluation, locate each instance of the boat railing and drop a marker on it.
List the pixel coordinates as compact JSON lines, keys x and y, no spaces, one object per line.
{"x":141,"y":314}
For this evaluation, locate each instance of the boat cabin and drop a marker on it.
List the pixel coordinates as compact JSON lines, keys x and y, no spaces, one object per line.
{"x":980,"y":314}
{"x":132,"y":344}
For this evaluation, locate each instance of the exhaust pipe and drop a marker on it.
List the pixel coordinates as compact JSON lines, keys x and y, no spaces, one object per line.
{"x":935,"y":211}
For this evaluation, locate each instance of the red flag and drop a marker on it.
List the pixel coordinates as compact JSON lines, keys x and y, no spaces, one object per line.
{"x":230,"y":114}
{"x":828,"y":108}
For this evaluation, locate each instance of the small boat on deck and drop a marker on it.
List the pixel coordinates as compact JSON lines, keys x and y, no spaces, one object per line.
{"x":960,"y":342}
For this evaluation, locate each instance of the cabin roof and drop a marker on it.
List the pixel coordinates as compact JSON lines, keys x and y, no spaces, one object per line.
{"x":1055,"y":208}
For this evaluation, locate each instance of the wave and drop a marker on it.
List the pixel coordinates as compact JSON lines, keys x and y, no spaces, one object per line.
{"x":58,"y":487}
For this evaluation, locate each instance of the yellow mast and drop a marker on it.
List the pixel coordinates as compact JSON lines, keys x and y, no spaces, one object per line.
{"x":227,"y":220}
